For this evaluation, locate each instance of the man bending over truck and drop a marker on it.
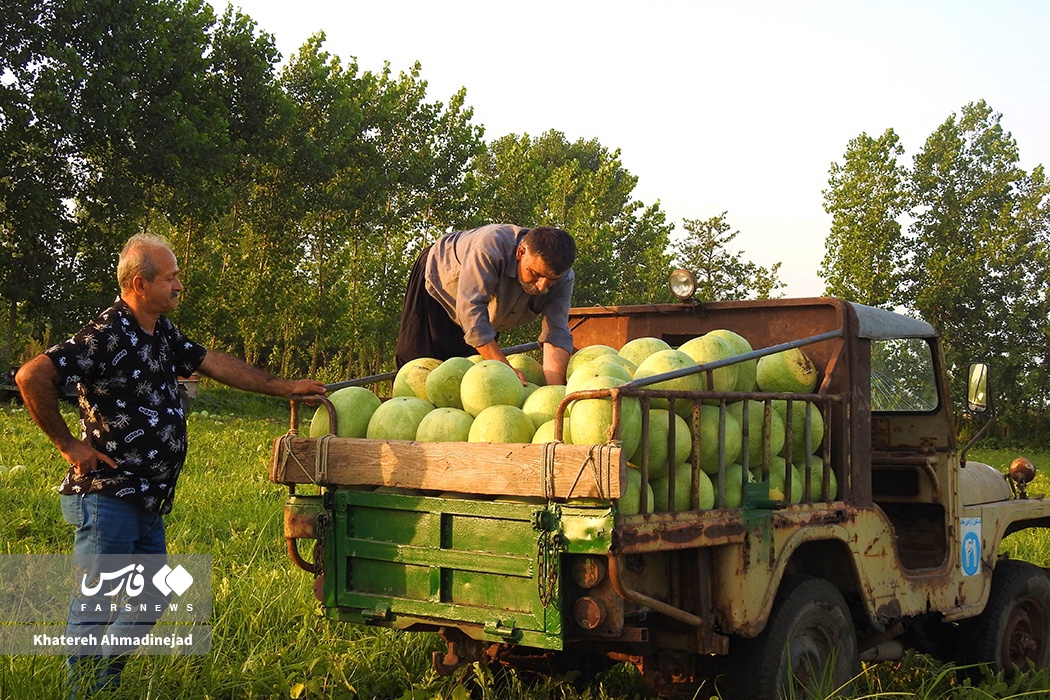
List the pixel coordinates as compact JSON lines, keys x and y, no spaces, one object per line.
{"x":469,"y":285}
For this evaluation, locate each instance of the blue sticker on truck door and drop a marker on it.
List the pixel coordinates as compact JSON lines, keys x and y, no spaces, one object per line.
{"x":970,"y":555}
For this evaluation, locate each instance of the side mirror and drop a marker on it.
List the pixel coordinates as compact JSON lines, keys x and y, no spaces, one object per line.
{"x":977,"y":388}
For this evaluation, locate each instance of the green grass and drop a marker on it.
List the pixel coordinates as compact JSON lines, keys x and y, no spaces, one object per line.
{"x":270,"y":638}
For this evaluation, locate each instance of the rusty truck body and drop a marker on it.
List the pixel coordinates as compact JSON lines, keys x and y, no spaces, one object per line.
{"x":518,"y":553}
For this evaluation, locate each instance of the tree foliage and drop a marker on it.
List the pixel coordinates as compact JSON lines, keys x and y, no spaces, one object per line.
{"x":34,"y":177}
{"x":979,"y":245}
{"x":973,"y":260}
{"x":296,"y":200}
{"x":124,"y":116}
{"x":722,"y":273}
{"x":866,"y":196}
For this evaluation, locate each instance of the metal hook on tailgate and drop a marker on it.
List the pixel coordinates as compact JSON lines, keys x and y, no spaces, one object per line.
{"x":305,"y":517}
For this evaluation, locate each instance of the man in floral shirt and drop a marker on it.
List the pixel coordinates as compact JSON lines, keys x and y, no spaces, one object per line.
{"x":124,"y":466}
{"x":130,"y":404}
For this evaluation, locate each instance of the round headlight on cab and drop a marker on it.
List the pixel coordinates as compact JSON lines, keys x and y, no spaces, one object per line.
{"x":682,"y":284}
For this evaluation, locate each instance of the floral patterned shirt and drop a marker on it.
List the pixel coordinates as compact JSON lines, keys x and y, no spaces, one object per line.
{"x":130,"y":405}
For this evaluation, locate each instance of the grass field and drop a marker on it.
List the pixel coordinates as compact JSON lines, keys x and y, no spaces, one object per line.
{"x":270,"y":639}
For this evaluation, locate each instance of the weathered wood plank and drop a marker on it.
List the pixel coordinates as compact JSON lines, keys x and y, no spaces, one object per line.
{"x":572,"y":471}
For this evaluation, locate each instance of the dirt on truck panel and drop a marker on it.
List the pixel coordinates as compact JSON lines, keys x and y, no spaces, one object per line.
{"x":862,"y":533}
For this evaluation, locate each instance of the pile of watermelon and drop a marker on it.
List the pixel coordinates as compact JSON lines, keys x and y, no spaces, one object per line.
{"x":476,"y":400}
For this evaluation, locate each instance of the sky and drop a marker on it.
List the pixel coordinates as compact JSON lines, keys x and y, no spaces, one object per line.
{"x":715,"y":106}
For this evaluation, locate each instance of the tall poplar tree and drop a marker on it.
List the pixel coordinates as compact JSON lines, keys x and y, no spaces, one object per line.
{"x":979,"y":247}
{"x":866,"y":196}
{"x":35,"y":178}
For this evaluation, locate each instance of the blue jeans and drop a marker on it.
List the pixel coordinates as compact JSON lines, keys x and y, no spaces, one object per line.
{"x":107,"y":527}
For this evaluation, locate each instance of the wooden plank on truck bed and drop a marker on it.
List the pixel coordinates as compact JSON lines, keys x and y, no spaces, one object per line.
{"x":554,"y":470}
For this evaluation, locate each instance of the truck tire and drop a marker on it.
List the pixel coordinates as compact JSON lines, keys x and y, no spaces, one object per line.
{"x":808,"y":647}
{"x":1015,"y":625}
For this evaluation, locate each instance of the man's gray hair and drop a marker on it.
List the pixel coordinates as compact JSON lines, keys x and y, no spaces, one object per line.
{"x":136,"y":259}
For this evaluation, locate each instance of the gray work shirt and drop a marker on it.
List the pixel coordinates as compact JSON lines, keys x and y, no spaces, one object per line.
{"x":474,"y":276}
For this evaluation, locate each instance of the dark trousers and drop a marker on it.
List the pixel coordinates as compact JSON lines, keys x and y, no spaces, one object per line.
{"x":426,"y":328}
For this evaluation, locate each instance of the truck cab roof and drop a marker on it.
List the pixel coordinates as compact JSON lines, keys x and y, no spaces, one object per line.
{"x":881,"y":324}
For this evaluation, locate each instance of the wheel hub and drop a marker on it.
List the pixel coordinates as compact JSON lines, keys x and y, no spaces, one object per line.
{"x":1022,"y":635}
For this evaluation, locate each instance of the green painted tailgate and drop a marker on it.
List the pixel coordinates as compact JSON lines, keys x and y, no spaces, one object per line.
{"x":488,"y":567}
